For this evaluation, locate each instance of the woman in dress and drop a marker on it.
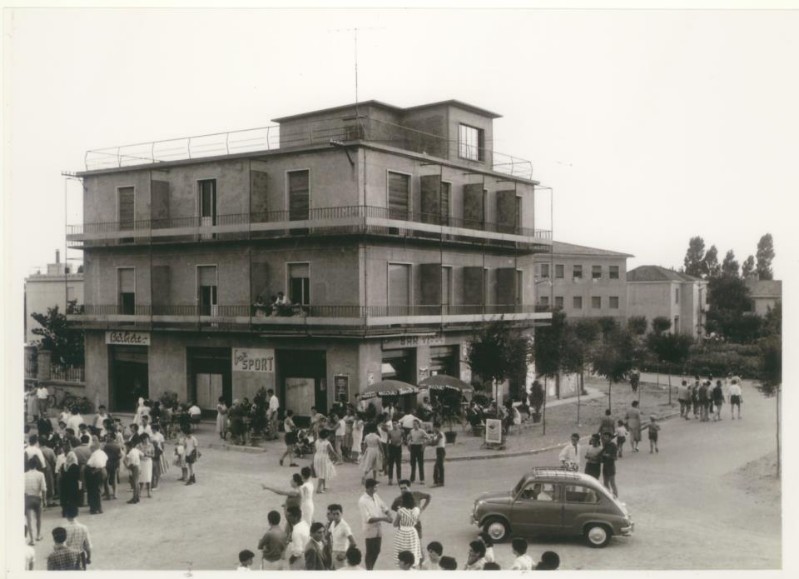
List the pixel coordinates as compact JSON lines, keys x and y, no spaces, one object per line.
{"x":139,"y":411}
{"x":346,"y":444}
{"x":593,"y":462}
{"x":221,"y":418}
{"x":322,"y":463}
{"x":371,"y":456}
{"x":633,"y":420}
{"x":406,"y":538}
{"x":290,"y":437}
{"x":146,"y":473}
{"x":306,"y":495}
{"x":69,"y":493}
{"x":357,"y":438}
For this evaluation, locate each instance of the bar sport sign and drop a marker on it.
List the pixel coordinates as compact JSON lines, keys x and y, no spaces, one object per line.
{"x":127,"y":338}
{"x":260,"y":360}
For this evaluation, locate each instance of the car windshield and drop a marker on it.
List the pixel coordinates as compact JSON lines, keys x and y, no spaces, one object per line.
{"x":519,"y":486}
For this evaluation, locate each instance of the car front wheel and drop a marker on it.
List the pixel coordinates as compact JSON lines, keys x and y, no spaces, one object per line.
{"x":597,"y":535}
{"x":497,"y":529}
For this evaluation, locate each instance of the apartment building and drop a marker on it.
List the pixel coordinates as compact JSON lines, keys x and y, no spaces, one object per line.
{"x":654,"y":291}
{"x":58,"y":286}
{"x":584,"y":282}
{"x":765,"y":294}
{"x":392,"y":233}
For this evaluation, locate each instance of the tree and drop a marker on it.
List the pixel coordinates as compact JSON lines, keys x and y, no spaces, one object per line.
{"x":765,"y":254}
{"x":579,"y":341}
{"x":59,"y":337}
{"x":730,"y":267}
{"x":770,"y":380}
{"x":694,"y":257}
{"x":711,"y":263}
{"x":730,"y":310}
{"x":548,"y":348}
{"x":748,"y":267}
{"x":613,"y":359}
{"x":671,"y":349}
{"x":661,"y":324}
{"x":496,"y":354}
{"x":637,"y":325}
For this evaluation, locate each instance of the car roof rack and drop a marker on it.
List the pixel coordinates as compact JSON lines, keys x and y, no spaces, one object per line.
{"x":555,"y":471}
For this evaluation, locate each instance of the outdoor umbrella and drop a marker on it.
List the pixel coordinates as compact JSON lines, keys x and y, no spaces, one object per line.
{"x":388,"y":388}
{"x":444,"y":382}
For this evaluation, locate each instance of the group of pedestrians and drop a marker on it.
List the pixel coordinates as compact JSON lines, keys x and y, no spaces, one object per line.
{"x":705,"y":398}
{"x":295,"y":541}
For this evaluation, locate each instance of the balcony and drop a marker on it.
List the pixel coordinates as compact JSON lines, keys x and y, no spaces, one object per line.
{"x":264,"y":139}
{"x":327,"y":221}
{"x":296,"y":317}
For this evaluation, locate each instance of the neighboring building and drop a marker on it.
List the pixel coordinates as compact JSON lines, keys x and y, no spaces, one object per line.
{"x":584,"y":282}
{"x":654,"y":291}
{"x":765,"y":294}
{"x":393,"y":232}
{"x":48,"y":290}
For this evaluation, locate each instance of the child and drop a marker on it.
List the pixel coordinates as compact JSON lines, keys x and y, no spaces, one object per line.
{"x":406,"y":560}
{"x":486,"y":539}
{"x":523,"y":561}
{"x":653,"y":427}
{"x":434,"y":552}
{"x":621,"y":436}
{"x":550,"y":561}
{"x":245,"y":560}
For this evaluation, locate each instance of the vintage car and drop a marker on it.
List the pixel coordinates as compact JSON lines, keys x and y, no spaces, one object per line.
{"x":552,"y":501}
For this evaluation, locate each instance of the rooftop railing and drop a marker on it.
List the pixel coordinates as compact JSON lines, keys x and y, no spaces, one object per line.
{"x":298,"y":135}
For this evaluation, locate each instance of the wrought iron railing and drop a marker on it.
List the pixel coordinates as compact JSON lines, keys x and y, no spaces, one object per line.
{"x":297,"y":135}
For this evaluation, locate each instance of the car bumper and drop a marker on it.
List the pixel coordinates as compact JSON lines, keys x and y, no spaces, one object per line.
{"x":627,"y":531}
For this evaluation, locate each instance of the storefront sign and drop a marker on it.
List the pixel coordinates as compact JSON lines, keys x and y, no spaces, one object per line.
{"x":254,"y":360}
{"x":127,"y":338}
{"x":493,"y":431}
{"x":413,"y":341}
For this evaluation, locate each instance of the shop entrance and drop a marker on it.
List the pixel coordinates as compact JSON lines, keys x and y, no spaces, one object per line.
{"x":445,"y":360}
{"x":301,"y":378}
{"x":129,"y":377}
{"x":210,"y":377}
{"x":399,"y":365}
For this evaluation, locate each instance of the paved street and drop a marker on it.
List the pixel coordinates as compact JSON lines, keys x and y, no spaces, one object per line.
{"x":692,"y":506}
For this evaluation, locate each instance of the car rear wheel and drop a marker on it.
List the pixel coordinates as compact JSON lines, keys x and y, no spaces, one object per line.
{"x":597,"y":535}
{"x":497,"y":529}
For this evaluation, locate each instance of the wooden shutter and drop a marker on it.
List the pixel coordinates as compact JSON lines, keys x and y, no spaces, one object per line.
{"x":430,"y":284}
{"x":506,"y":286}
{"x":159,"y":204}
{"x":473,"y":211}
{"x":431,"y":196}
{"x":258,"y":197}
{"x":398,"y":195}
{"x":473,"y":286}
{"x":161,"y":283}
{"x":446,"y":190}
{"x":506,"y":211}
{"x":299,"y":195}
{"x":126,"y":216}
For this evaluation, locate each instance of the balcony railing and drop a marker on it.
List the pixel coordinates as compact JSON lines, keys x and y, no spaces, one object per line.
{"x":343,"y":220}
{"x":297,"y":135}
{"x":257,"y":316}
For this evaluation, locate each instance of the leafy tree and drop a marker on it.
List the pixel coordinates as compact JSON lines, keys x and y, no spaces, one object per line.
{"x":496,"y":354}
{"x":748,"y":267}
{"x":694,"y":257}
{"x":765,"y":254}
{"x":772,"y":322}
{"x":637,"y":325}
{"x":607,"y":325}
{"x":730,"y":311}
{"x":578,"y":343}
{"x":613,"y":358}
{"x":548,"y":348}
{"x":711,"y":263}
{"x":730,"y":267}
{"x":671,"y":349}
{"x":661,"y":324}
{"x":770,"y":379}
{"x":64,"y":341}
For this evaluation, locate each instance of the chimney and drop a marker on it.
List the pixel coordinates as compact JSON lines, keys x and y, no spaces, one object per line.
{"x":57,"y":256}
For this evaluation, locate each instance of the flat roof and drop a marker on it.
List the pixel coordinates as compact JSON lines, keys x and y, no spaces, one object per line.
{"x":376,"y":103}
{"x":561,"y":248}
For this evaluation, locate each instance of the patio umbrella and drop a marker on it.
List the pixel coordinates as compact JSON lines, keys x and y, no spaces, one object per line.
{"x":444,"y":382}
{"x":388,"y":388}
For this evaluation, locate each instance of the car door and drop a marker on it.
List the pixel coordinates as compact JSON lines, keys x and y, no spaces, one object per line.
{"x":580,"y":504}
{"x":537,"y":509}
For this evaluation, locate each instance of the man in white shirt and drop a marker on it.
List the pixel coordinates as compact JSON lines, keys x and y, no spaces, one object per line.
{"x":300,"y":535}
{"x":736,"y":397}
{"x":133,"y":463}
{"x":33,"y":449}
{"x":42,"y":398}
{"x":75,"y":420}
{"x":272,"y":413}
{"x":340,"y":534}
{"x":570,"y":455}
{"x":95,"y":478}
{"x":373,"y":512}
{"x":99,"y":420}
{"x":523,"y":561}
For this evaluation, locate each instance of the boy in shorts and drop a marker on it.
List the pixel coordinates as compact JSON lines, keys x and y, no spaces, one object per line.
{"x":654,"y":428}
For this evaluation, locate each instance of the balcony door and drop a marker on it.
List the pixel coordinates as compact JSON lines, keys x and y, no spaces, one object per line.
{"x":125,"y":211}
{"x":207,"y":204}
{"x":300,"y":283}
{"x":446,"y":289}
{"x":399,"y":289}
{"x":399,"y":190}
{"x":206,"y":290}
{"x":126,"y":284}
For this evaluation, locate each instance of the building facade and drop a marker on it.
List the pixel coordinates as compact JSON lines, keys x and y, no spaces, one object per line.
{"x":765,"y":294}
{"x":583,"y":282}
{"x":654,"y":291}
{"x":55,"y":288}
{"x":392,"y":233}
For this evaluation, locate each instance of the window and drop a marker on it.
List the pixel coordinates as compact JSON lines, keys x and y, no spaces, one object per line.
{"x":596,"y":272}
{"x":300,"y":283}
{"x":446,"y":191}
{"x":544,"y":271}
{"x":613,"y":272}
{"x":577,"y":302}
{"x":596,"y":302}
{"x":519,"y":286}
{"x":399,"y":288}
{"x":676,"y":295}
{"x":446,"y":288}
{"x":541,"y":492}
{"x":470,"y":143}
{"x":577,"y":272}
{"x":559,"y":271}
{"x":125,"y":208}
{"x":399,"y":188}
{"x":581,"y":494}
{"x":543,"y":300}
{"x":299,"y":185}
{"x":614,"y":302}
{"x":206,"y":290}
{"x":559,"y":302}
{"x":126,"y":284}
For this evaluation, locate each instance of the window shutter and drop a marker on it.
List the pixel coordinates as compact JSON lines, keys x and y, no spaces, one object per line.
{"x":159,"y":204}
{"x":160,"y":285}
{"x":126,"y":208}
{"x":506,"y":286}
{"x":258,"y":196}
{"x":473,"y":211}
{"x":506,"y":211}
{"x":431,"y":196}
{"x":430,"y":282}
{"x":473,"y":286}
{"x":299,"y":195}
{"x":398,"y":195}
